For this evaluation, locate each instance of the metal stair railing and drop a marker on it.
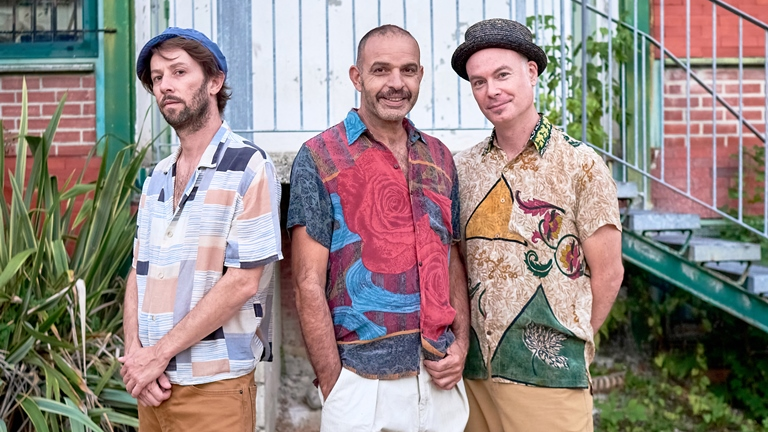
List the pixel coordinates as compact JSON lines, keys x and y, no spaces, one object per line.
{"x":639,"y":163}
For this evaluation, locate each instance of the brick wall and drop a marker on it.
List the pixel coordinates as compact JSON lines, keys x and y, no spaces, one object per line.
{"x":727,"y":137}
{"x":76,"y":134}
{"x":701,"y":28}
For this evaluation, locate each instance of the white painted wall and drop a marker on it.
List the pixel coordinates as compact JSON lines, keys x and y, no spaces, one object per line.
{"x":302,"y":50}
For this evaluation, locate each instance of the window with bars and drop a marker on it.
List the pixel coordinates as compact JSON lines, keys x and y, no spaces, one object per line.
{"x":47,"y":28}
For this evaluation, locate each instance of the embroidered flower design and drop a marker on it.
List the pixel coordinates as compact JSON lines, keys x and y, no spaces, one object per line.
{"x":571,"y":259}
{"x":545,"y":344}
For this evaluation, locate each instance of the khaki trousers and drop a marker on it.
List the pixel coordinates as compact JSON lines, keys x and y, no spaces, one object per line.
{"x":412,"y":404}
{"x":228,"y":405}
{"x":503,"y":407}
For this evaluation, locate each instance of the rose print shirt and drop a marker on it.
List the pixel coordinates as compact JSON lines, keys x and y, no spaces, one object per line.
{"x":529,"y":287}
{"x":388,"y":234}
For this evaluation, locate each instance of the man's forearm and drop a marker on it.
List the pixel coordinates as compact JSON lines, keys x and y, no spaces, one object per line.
{"x":604,"y":291}
{"x":459,"y":297}
{"x":131,"y":313}
{"x":310,"y":263}
{"x":317,"y":330}
{"x":220,"y":304}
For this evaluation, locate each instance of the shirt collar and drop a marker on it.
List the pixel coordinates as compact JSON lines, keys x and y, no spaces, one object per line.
{"x":209,"y":159}
{"x":355,"y":127}
{"x":539,"y":137}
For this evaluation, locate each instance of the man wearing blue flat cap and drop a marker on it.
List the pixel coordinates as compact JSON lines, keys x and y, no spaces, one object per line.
{"x":207,"y":238}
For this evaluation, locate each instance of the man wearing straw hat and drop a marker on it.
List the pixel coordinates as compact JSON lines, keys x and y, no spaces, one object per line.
{"x":542,"y":241}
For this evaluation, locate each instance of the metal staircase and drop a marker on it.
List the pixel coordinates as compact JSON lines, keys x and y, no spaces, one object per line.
{"x":720,"y":272}
{"x":670,"y":246}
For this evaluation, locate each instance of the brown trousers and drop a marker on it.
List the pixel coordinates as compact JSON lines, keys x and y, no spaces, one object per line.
{"x":503,"y":407}
{"x":228,"y":405}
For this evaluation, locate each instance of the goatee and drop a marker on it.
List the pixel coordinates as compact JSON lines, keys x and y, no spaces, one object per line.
{"x":192,"y":117}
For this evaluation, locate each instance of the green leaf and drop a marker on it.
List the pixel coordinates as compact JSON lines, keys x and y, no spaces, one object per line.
{"x":118,"y":396}
{"x":35,"y":415}
{"x":76,"y":425}
{"x":118,"y":418}
{"x":20,"y":351}
{"x":3,"y":427}
{"x":47,"y":339}
{"x":67,"y":411}
{"x":13,"y":266}
{"x":106,"y":377}
{"x":77,"y":190}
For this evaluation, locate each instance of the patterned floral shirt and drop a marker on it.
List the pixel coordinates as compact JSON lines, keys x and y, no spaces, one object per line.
{"x":227,"y":217}
{"x":389,"y":236}
{"x":524,"y":221}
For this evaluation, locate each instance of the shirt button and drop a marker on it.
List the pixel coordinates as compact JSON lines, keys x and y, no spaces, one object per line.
{"x":396,"y":166}
{"x":160,"y":276}
{"x":420,"y":263}
{"x":488,"y":332}
{"x":503,"y":200}
{"x":169,"y":234}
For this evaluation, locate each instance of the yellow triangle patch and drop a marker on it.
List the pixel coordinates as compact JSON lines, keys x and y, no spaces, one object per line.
{"x":490,"y":220}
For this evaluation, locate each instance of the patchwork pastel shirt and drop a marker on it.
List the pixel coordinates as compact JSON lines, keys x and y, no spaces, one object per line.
{"x":524,"y":222}
{"x":227,"y":217}
{"x":388,"y":235}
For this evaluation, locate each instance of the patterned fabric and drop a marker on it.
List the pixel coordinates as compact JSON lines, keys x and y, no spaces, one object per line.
{"x":530,"y":292}
{"x":227,"y":217}
{"x":389,"y":239}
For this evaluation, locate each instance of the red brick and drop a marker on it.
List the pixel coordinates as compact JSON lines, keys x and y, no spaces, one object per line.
{"x":745,"y":88}
{"x":89,"y":136}
{"x":701,"y":114}
{"x":7,"y":97}
{"x":78,"y":95}
{"x":11,"y":111}
{"x":72,"y":150}
{"x":77,"y":123}
{"x":88,"y":81}
{"x":15,"y":82}
{"x":680,"y":102}
{"x":41,"y":96}
{"x":89,"y":109}
{"x":61,"y":81}
{"x":67,"y":137}
{"x":38,"y":124}
{"x":722,"y":129}
{"x":679,"y":129}
{"x":69,"y":109}
{"x":673,"y":115}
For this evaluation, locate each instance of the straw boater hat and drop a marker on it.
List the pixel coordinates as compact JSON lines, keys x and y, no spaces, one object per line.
{"x":497,"y":33}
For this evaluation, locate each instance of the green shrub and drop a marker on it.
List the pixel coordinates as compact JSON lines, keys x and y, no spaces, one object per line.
{"x":61,"y":313}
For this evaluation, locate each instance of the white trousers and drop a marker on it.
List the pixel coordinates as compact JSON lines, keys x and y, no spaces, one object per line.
{"x":412,"y":404}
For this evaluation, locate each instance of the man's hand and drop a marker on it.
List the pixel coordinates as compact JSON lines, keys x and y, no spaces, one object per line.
{"x":156,"y":392}
{"x":446,"y":373}
{"x":140,"y":368}
{"x":327,"y":386}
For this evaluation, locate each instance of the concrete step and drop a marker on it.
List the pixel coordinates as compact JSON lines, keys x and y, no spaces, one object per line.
{"x":757,"y":276}
{"x":705,"y":249}
{"x":646,"y":220}
{"x":626,"y":190}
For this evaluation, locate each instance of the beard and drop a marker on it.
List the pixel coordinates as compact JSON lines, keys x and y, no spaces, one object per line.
{"x":193,"y":116}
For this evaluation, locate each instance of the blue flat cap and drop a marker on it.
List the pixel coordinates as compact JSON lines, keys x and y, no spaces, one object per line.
{"x":142,"y":63}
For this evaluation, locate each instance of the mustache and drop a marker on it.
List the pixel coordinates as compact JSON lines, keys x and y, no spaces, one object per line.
{"x":167,"y":98}
{"x":392,"y":93}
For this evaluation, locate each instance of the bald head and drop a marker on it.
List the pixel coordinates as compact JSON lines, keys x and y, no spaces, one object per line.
{"x":385,"y":30}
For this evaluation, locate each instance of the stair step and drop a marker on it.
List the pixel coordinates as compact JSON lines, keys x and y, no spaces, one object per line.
{"x":705,"y":249}
{"x":645,"y":220}
{"x":757,"y":277}
{"x":626,"y":190}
